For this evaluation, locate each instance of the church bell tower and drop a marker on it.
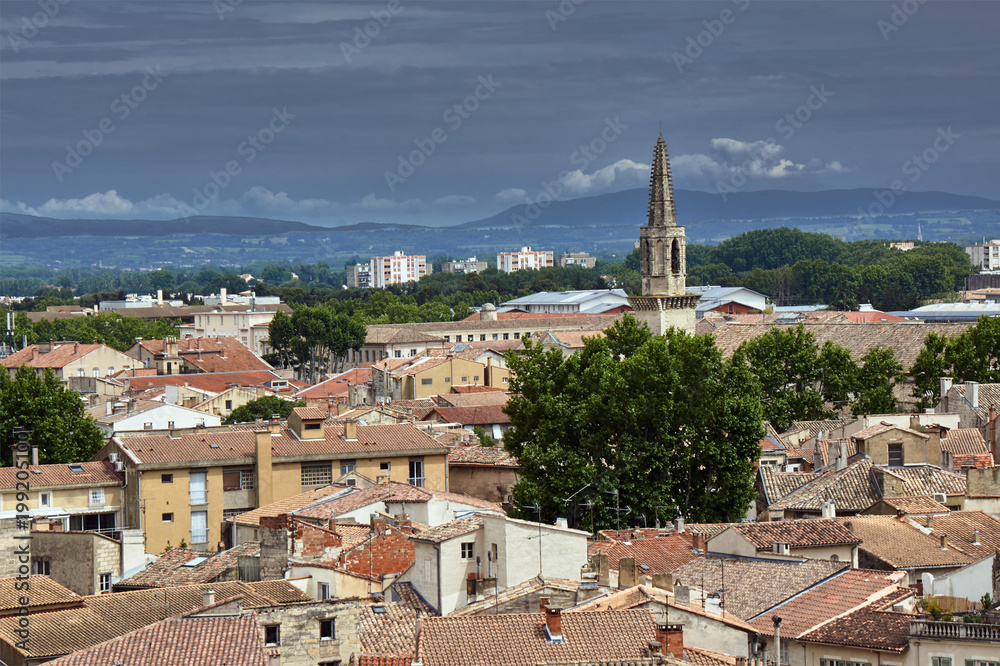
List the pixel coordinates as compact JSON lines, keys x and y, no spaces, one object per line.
{"x":665,"y":301}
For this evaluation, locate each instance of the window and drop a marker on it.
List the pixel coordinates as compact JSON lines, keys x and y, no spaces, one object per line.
{"x":80,"y":372}
{"x":413,"y":352}
{"x":416,"y":472}
{"x":447,"y":338}
{"x":327,"y":632}
{"x":940,"y":661}
{"x":237,"y":479}
{"x":229,"y":405}
{"x":272,"y":634}
{"x":506,"y":336}
{"x":496,"y":336}
{"x":482,"y":337}
{"x":111,"y":370}
{"x":517,"y":336}
{"x":465,"y":379}
{"x":105,"y":582}
{"x":168,"y":517}
{"x":148,"y":425}
{"x":44,"y":499}
{"x":384,"y":466}
{"x":96,"y":372}
{"x":467,"y":551}
{"x":398,"y":353}
{"x":170,"y":426}
{"x":96,"y":497}
{"x":504,"y":380}
{"x":475,"y":378}
{"x":426,"y":381}
{"x":317,"y":474}
{"x":784,"y":652}
{"x":347,"y":466}
{"x":895,"y":455}
{"x":199,"y":487}
{"x":330,"y":663}
{"x":41,"y":567}
{"x":834,"y":558}
{"x":323,"y":590}
{"x":199,"y":527}
{"x":166,"y":478}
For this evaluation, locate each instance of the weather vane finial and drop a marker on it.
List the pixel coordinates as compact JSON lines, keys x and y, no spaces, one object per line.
{"x":661,"y":128}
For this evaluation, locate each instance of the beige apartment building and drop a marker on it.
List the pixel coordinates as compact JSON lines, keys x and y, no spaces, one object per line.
{"x":70,"y":359}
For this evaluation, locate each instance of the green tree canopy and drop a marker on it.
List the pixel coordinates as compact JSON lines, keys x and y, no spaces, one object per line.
{"x":60,"y":426}
{"x":651,"y":425}
{"x":879,"y":374}
{"x":262,"y":408}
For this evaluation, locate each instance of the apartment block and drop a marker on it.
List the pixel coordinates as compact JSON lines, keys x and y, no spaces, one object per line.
{"x":985,"y":255}
{"x":508,"y":262}
{"x":583,"y":259}
{"x":397,"y":269}
{"x":359,"y":276}
{"x":470,"y":265}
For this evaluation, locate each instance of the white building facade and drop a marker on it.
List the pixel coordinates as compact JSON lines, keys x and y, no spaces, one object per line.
{"x":985,"y":255}
{"x":397,"y":269}
{"x":508,"y":262}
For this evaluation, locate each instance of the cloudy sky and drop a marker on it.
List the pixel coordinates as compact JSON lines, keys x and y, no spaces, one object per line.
{"x":437,"y":113}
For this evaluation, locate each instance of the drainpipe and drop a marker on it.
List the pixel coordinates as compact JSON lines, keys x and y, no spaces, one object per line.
{"x":777,"y":639}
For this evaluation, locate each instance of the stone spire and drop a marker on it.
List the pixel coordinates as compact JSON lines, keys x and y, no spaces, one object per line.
{"x":661,"y":189}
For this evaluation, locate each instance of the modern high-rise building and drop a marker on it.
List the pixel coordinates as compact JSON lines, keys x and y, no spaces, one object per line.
{"x":508,"y":262}
{"x":470,"y":265}
{"x":665,"y":300}
{"x":985,"y":255}
{"x":397,"y":269}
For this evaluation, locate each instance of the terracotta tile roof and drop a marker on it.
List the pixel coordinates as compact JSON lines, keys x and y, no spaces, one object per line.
{"x":702,"y":657}
{"x":42,"y":592}
{"x":171,"y":569}
{"x":381,"y":334}
{"x":525,"y":589}
{"x":906,"y":339}
{"x":474,"y":399}
{"x":215,"y":382}
{"x":376,"y":660}
{"x":778,"y":485}
{"x":241,"y":443}
{"x":662,"y":554}
{"x":309,"y":413}
{"x":451,"y":530}
{"x":490,"y":456}
{"x":62,"y":355}
{"x":287,"y":505}
{"x":520,"y":638}
{"x":959,"y":527}
{"x":352,"y":499}
{"x":187,"y":641}
{"x":873,"y":627}
{"x":707,"y":530}
{"x":548,"y":321}
{"x":927,"y":480}
{"x":419,"y":407}
{"x":336,"y":385}
{"x":915,"y":504}
{"x":965,"y":440}
{"x":749,"y":587}
{"x":62,"y":476}
{"x":475,"y":388}
{"x":215,"y":354}
{"x":106,"y":616}
{"x":902,"y":546}
{"x":390,"y":631}
{"x":816,"y":427}
{"x":135,"y":372}
{"x":821,"y":453}
{"x":978,"y":460}
{"x":842,"y":593}
{"x":797,"y":533}
{"x":481,"y":415}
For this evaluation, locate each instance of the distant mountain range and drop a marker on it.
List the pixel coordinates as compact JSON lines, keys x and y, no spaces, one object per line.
{"x":625,"y":208}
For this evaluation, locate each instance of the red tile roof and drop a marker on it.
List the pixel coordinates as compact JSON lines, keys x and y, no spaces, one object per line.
{"x":241,"y":443}
{"x":41,"y":592}
{"x":336,"y":386}
{"x":902,"y":546}
{"x":217,"y":354}
{"x":662,"y":554}
{"x":488,"y":456}
{"x":960,"y":527}
{"x":797,"y":533}
{"x":915,"y":504}
{"x":216,"y":382}
{"x":390,"y":631}
{"x":287,"y":505}
{"x":173,"y":567}
{"x":62,"y":476}
{"x":852,"y":589}
{"x":964,"y":441}
{"x":516,"y":639}
{"x":873,"y":627}
{"x":476,"y":388}
{"x":481,"y":415}
{"x":309,"y":413}
{"x":62,"y":355}
{"x":187,"y":641}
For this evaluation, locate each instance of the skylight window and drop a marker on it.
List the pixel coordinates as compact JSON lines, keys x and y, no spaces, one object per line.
{"x":195,"y":562}
{"x":76,"y":467}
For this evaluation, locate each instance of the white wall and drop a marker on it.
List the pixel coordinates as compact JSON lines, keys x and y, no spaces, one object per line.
{"x":161,"y":417}
{"x":969,"y":582}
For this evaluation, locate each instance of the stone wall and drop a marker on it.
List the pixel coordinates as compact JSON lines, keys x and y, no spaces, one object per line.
{"x":492,"y":484}
{"x":299,"y":628}
{"x":77,"y":559}
{"x":390,"y":551}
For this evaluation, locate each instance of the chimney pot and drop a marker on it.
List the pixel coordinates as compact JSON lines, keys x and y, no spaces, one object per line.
{"x":351,"y":429}
{"x":975,"y":537}
{"x":34,"y":456}
{"x":972,"y":393}
{"x":944,"y":542}
{"x":553,"y":621}
{"x":207,"y":597}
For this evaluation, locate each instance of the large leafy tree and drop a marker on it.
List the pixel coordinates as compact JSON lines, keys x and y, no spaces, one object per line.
{"x":975,"y":354}
{"x":315,"y":339}
{"x":650,"y":425}
{"x":928,"y":368}
{"x":797,"y":376}
{"x":879,"y":374}
{"x":262,"y":408}
{"x":55,"y":415}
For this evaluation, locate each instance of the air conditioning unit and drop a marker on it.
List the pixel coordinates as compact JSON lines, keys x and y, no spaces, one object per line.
{"x":119,"y":466}
{"x":112,"y":458}
{"x":940,"y":498}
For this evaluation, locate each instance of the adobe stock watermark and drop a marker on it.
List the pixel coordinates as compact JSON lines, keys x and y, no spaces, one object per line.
{"x":30,"y":25}
{"x":122,"y":107}
{"x":248,"y":149}
{"x":582,"y":158}
{"x":562,"y":12}
{"x":786,"y":126}
{"x":223,"y":7}
{"x":914,"y":168}
{"x":22,"y":535}
{"x":453,"y":117}
{"x":714,"y":28}
{"x":901,"y":13}
{"x":363,"y":35}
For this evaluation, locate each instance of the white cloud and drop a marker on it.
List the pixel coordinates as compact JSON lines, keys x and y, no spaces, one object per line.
{"x":372,"y":202}
{"x":621,"y":175}
{"x":731,"y":159}
{"x":511,"y":195}
{"x":19,"y":207}
{"x":281,"y":202}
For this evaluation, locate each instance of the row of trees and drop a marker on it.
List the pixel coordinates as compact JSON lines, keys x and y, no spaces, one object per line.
{"x":114,"y":330}
{"x":973,"y":355}
{"x":314,"y":340}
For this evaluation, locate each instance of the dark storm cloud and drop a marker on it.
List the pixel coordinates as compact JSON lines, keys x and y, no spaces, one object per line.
{"x":361,"y":104}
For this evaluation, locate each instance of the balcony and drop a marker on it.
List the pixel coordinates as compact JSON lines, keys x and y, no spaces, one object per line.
{"x":955,"y":631}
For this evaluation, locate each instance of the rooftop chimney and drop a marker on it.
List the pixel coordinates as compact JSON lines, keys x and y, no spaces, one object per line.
{"x":777,"y":638}
{"x":945,"y":387}
{"x":351,"y":429}
{"x":679,"y":524}
{"x":222,"y":296}
{"x":207,"y":597}
{"x":842,"y":459}
{"x":671,"y":636}
{"x":992,"y":425}
{"x":944,"y":542}
{"x":34,"y":455}
{"x":972,"y":394}
{"x":682,"y":595}
{"x":975,"y":537}
{"x":828,"y":509}
{"x":553,"y":622}
{"x":159,"y":297}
